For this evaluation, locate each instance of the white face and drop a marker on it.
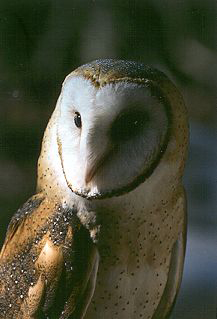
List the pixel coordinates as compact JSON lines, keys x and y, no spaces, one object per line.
{"x":110,"y":138}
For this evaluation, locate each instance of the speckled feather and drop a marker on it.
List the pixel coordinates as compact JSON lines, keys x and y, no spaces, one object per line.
{"x":46,"y":262}
{"x":142,"y":232}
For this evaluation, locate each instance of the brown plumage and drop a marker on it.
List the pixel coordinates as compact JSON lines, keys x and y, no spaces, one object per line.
{"x":46,"y":262}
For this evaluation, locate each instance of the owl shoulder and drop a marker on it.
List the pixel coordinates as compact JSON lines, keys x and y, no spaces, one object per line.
{"x":19,"y":218}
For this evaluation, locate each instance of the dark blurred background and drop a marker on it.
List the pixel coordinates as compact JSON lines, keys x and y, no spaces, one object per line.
{"x":42,"y":41}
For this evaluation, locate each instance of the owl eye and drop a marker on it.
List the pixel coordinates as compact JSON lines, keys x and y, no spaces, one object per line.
{"x":129,"y":125}
{"x":77,"y":119}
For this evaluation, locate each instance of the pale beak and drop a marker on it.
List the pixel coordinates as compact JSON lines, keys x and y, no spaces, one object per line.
{"x":92,"y":168}
{"x":90,"y":172}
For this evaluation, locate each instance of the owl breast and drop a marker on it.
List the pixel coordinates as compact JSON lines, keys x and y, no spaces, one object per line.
{"x":135,"y":252}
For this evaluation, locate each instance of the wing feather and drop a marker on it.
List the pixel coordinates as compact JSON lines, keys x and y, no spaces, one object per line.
{"x":175,"y":274}
{"x":18,"y":220}
{"x":48,"y":264}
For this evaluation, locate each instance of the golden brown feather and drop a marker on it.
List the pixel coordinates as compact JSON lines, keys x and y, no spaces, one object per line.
{"x":39,"y":262}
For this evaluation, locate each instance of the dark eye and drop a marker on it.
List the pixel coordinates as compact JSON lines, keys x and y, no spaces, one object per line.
{"x":77,"y":119}
{"x":128,"y":125}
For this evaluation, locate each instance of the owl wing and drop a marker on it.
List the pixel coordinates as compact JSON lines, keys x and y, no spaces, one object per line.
{"x":48,"y":264}
{"x":175,"y":273}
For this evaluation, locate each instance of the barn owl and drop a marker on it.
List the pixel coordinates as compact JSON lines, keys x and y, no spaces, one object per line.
{"x":104,"y":236}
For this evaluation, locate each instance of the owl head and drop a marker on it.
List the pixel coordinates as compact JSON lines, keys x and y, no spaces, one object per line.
{"x":113,"y":124}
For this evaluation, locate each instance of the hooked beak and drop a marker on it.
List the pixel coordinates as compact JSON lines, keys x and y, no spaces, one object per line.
{"x":92,"y":168}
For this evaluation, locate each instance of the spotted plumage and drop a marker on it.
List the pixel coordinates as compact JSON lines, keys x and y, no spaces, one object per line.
{"x":105,"y":235}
